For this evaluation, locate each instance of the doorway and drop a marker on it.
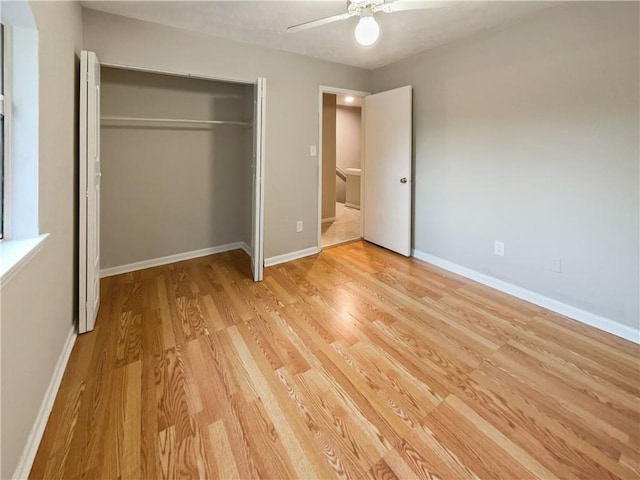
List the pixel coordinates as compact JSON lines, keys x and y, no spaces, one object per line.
{"x":340,"y":172}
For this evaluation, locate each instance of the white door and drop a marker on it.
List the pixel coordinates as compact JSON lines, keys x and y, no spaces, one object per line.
{"x":387,"y":169}
{"x":257,"y":204}
{"x":89,"y":191}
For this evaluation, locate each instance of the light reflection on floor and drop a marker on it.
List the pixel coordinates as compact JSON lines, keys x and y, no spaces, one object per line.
{"x":344,"y":228}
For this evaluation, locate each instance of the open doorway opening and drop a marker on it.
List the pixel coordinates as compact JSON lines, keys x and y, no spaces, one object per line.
{"x":341,"y":167}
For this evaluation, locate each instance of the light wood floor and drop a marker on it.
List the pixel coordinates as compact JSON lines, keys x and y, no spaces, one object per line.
{"x":353,"y":363}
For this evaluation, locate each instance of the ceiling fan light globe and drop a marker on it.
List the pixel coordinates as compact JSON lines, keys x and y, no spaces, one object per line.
{"x":367,"y":31}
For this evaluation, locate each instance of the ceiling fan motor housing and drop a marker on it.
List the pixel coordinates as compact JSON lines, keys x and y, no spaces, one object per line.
{"x":364,"y":8}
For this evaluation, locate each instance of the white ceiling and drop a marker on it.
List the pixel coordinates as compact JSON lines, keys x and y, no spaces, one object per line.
{"x":264,"y":23}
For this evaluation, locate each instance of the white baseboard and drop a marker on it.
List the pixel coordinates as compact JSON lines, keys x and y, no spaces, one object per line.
{"x":246,"y":248}
{"x":35,"y":436}
{"x":588,"y":318}
{"x":287,"y":257}
{"x":156,"y":262}
{"x":355,"y":206}
{"x":341,"y":242}
{"x":329,"y":220}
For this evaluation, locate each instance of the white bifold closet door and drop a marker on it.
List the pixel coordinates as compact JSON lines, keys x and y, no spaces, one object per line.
{"x":89,"y":192}
{"x":387,"y":169}
{"x":257,"y":167}
{"x":89,"y":189}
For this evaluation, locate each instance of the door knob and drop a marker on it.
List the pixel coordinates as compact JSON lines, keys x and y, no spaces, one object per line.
{"x":403,"y":180}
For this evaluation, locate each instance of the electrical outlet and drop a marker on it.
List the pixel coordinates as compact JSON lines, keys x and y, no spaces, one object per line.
{"x":299,"y":226}
{"x":313,"y":151}
{"x":498,"y":248}
{"x":556,"y":265}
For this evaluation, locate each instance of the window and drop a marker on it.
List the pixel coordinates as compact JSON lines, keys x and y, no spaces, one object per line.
{"x":20,"y":238}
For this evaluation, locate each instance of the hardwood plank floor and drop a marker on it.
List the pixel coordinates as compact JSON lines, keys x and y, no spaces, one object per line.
{"x":353,"y":363}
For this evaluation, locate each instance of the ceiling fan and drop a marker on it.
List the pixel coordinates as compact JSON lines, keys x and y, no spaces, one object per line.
{"x":367,"y":30}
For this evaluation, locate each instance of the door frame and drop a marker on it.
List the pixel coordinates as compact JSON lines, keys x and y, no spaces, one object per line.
{"x":198,"y":76}
{"x":338,"y":91}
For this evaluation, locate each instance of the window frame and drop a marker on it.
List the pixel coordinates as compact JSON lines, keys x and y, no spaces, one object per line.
{"x":22,"y":238}
{"x":3,"y":130}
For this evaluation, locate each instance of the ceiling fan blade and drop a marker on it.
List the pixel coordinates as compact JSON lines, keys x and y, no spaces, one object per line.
{"x":402,"y":6}
{"x":320,"y":21}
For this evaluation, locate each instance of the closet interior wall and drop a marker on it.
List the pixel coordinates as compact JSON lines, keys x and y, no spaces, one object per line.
{"x":169,"y":187}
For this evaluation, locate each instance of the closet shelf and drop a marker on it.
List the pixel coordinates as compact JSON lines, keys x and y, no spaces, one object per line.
{"x":173,"y":120}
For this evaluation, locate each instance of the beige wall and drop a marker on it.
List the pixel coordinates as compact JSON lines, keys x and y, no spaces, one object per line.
{"x":172,"y":188}
{"x":348,"y":143}
{"x":529,"y":134}
{"x":328,"y":155}
{"x":293,"y":82}
{"x":39,"y":302}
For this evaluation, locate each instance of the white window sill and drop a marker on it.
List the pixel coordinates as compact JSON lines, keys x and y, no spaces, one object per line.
{"x":15,"y":254}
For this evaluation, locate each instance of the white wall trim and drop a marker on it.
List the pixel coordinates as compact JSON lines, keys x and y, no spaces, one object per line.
{"x":247,"y":249}
{"x":582,"y":316}
{"x":328,"y":219}
{"x":35,"y":436}
{"x":287,"y":257}
{"x":156,"y":262}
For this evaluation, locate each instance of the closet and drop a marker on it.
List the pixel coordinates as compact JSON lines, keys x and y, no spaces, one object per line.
{"x":176,"y":168}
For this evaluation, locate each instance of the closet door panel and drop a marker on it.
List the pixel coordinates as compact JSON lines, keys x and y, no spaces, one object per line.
{"x":89,"y":188}
{"x":257,"y":203}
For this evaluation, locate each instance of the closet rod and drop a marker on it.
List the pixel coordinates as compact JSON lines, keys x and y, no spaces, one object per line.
{"x":173,"y":120}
